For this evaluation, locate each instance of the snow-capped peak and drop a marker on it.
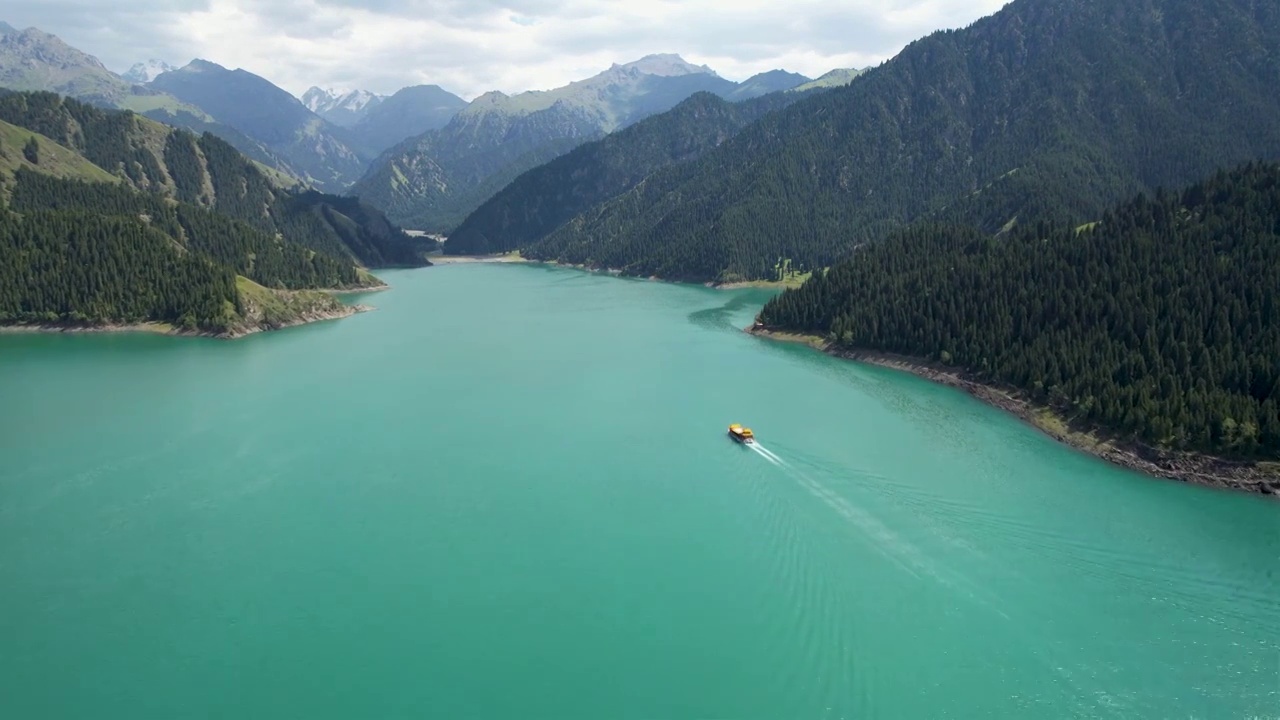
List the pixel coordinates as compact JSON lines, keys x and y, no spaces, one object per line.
{"x":323,"y":100}
{"x":145,"y":72}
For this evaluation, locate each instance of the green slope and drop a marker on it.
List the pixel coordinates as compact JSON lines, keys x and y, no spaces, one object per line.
{"x":208,"y":172}
{"x":52,"y":158}
{"x":834,"y":78}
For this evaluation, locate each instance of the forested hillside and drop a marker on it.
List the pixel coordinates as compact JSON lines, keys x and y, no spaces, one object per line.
{"x":208,"y":172}
{"x":89,"y":253}
{"x":89,"y":268}
{"x":250,"y":252}
{"x":1049,"y":109}
{"x":542,"y":199}
{"x":1160,"y":323}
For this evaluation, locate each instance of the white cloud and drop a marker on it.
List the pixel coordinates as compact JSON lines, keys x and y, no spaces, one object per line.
{"x":471,"y":46}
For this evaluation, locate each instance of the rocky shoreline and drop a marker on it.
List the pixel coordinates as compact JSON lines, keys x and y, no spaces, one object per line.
{"x":250,"y":326}
{"x":159,"y":328}
{"x":304,"y":318}
{"x":1186,"y":467}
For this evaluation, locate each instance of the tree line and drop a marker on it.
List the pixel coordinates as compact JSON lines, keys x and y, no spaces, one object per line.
{"x":1160,"y":323}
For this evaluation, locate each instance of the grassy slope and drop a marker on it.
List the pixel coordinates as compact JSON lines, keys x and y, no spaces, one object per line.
{"x":835,"y":78}
{"x":161,"y":101}
{"x":54,"y":158}
{"x":269,"y":309}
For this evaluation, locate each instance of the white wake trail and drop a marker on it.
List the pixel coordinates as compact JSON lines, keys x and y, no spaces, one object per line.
{"x":887,"y":542}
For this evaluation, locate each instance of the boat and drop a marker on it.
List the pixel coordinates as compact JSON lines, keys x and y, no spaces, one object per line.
{"x":741,"y":434}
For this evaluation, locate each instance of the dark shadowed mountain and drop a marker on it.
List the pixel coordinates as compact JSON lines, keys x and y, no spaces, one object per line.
{"x":323,"y":152}
{"x":542,"y":199}
{"x":410,"y":111}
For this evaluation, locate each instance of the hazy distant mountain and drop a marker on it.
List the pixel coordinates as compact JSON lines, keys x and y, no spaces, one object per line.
{"x":6,"y":28}
{"x":35,"y":60}
{"x":270,"y":115}
{"x":767,"y":82}
{"x":343,"y":108}
{"x":833,"y":78}
{"x":410,"y":111}
{"x":434,"y":180}
{"x":145,"y":72}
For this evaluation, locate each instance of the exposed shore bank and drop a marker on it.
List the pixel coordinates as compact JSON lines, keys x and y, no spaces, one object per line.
{"x":264,"y":309}
{"x":513,"y":257}
{"x":1187,"y":467}
{"x":516,"y":257}
{"x":161,"y":328}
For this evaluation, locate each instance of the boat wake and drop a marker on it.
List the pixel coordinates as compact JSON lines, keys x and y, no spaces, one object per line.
{"x":888,"y":543}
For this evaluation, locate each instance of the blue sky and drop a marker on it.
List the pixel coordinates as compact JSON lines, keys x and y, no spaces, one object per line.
{"x":469,"y":47}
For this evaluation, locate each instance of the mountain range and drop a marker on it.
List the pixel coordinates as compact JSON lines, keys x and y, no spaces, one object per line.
{"x":541,"y":200}
{"x":1047,"y":109}
{"x":436,"y":179}
{"x":424,"y":154}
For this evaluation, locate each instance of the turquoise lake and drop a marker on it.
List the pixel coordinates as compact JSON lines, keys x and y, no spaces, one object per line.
{"x":508,"y":492}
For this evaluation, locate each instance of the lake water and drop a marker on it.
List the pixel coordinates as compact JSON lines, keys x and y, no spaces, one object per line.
{"x":508,"y":493}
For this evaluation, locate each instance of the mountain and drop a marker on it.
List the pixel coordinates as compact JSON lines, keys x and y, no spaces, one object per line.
{"x":144,"y":72}
{"x":7,"y":29}
{"x":313,"y":146}
{"x":343,"y":108}
{"x":202,"y":171}
{"x":1048,"y":109}
{"x":432,"y":181}
{"x":767,"y":82}
{"x":35,"y":60}
{"x":830,"y":79}
{"x":113,"y":219}
{"x":1154,"y":326}
{"x":540,"y":200}
{"x":410,"y":111}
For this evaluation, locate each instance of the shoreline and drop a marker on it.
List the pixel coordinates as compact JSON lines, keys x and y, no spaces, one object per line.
{"x":355,"y":290}
{"x":1195,"y":468}
{"x":511,"y":257}
{"x":163,"y":328}
{"x":516,"y":257}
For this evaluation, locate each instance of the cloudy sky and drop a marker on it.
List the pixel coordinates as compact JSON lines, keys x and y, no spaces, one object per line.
{"x":471,"y":46}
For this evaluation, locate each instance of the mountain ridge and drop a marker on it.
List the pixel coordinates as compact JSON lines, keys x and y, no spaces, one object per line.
{"x":537,"y":202}
{"x":434,"y":180}
{"x":1046,"y":109}
{"x":257,"y":107}
{"x":207,"y":172}
{"x":343,"y":108}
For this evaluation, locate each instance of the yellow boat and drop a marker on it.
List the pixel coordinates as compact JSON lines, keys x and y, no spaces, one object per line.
{"x":741,"y":434}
